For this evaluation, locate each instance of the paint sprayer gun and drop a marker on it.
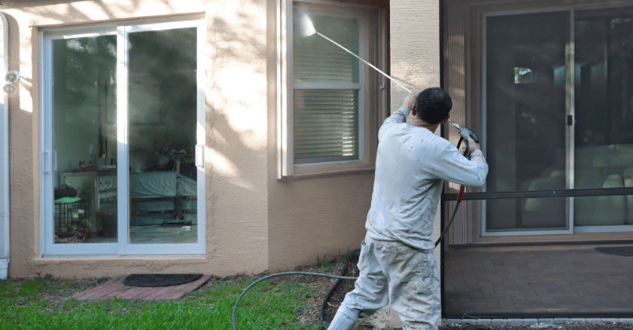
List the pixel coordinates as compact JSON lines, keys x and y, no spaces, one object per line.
{"x":464,"y":134}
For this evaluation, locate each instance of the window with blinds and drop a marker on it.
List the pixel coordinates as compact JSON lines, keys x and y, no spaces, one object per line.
{"x":327,"y":91}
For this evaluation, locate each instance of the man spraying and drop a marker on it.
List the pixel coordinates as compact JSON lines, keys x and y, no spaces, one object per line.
{"x":397,"y":264}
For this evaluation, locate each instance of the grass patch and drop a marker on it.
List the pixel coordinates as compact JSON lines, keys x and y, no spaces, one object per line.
{"x":324,"y":265}
{"x":27,"y":305}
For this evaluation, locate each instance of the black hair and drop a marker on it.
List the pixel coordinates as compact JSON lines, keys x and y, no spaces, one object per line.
{"x":433,"y":105}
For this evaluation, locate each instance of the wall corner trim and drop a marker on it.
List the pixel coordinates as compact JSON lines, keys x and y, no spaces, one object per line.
{"x":4,"y":152}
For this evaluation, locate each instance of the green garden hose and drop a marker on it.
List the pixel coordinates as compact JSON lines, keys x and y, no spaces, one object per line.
{"x":282,"y":274}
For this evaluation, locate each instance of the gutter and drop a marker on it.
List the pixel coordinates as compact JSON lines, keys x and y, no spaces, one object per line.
{"x":4,"y":153}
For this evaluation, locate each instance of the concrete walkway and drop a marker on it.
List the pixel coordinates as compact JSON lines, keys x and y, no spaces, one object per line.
{"x":558,"y":281}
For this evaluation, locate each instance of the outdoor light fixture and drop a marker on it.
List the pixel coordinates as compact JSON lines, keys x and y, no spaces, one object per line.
{"x":9,"y":88}
{"x":11,"y":78}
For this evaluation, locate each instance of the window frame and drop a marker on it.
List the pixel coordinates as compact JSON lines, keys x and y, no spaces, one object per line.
{"x":569,"y":130}
{"x":373,"y":99}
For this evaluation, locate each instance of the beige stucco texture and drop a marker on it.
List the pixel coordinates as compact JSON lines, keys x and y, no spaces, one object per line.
{"x":415,"y":57}
{"x":254,"y":222}
{"x":415,"y":45}
{"x":415,"y":53}
{"x":236,"y":133}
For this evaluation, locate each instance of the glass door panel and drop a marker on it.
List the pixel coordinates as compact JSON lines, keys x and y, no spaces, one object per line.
{"x":525,"y":119}
{"x":162,"y":123}
{"x":84,"y":139}
{"x":604,"y":115}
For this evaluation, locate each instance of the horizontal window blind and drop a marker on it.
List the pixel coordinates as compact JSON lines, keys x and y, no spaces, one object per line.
{"x":325,"y":125}
{"x":318,"y":60}
{"x":326,"y":118}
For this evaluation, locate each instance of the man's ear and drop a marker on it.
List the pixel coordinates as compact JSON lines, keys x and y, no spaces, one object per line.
{"x":445,"y":120}
{"x":413,"y":111}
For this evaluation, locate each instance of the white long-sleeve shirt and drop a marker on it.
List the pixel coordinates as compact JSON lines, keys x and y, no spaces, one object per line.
{"x":411,"y":166}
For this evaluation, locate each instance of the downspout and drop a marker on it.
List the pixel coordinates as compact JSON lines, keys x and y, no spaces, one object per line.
{"x":4,"y":153}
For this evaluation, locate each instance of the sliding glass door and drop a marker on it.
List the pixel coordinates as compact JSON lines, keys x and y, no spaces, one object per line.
{"x":558,"y":109}
{"x":604,"y":117}
{"x":122,"y":135}
{"x":162,"y":135}
{"x":525,"y":119}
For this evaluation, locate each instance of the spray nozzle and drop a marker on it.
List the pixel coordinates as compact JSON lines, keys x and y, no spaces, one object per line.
{"x":454,"y":123}
{"x":464,"y":133}
{"x":305,"y":28}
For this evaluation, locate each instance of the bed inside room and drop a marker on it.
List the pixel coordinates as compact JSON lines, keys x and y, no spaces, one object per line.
{"x":162,"y":129}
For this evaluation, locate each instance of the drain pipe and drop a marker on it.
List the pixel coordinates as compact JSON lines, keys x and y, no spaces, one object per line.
{"x":4,"y":153}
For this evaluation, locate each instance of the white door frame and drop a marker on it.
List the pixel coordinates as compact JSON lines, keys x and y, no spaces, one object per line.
{"x":5,"y":246}
{"x":48,"y":159}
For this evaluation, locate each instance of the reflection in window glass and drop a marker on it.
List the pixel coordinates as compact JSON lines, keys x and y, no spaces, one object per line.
{"x":84,"y":139}
{"x":525,"y":83}
{"x":604,"y":114}
{"x":523,"y":75}
{"x":162,"y":136}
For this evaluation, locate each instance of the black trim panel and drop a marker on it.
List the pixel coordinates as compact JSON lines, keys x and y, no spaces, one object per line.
{"x":540,"y":194}
{"x":537,"y":315}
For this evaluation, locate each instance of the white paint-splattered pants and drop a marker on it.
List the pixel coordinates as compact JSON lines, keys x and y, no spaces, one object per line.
{"x":404,"y":277}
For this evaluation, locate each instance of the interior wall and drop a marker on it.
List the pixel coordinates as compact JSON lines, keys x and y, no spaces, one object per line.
{"x":236,"y":124}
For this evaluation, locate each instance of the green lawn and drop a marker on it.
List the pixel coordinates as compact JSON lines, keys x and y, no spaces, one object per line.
{"x":32,"y":304}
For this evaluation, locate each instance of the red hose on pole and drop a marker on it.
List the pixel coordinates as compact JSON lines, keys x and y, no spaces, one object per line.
{"x":461,"y":194}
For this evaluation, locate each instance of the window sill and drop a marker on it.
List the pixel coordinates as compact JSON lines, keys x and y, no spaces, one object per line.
{"x":46,"y":258}
{"x":577,"y":238}
{"x":316,"y":171}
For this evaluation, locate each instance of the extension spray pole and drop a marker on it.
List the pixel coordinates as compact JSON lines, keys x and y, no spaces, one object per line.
{"x":371,"y":65}
{"x":309,"y":29}
{"x":306,"y":29}
{"x":463,"y":131}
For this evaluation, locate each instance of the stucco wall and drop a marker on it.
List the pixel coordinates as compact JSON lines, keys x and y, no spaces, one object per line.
{"x":415,"y":54}
{"x":313,"y":216}
{"x":415,"y":57}
{"x":318,"y":216}
{"x":235,"y":157}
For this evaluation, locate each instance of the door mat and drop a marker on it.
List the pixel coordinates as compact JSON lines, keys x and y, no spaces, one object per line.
{"x":154,"y":280}
{"x":626,"y":251}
